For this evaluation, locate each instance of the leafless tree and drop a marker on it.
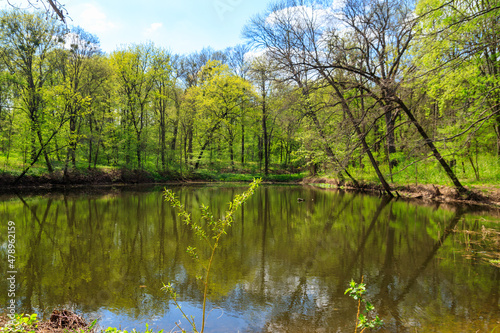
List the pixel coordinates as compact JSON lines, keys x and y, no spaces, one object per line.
{"x":287,"y":33}
{"x":361,"y":46}
{"x":51,"y":7}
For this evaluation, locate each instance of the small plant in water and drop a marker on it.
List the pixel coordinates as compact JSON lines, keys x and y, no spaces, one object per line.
{"x":209,"y":232}
{"x":363,"y":322}
{"x":21,"y":323}
{"x":115,"y":330}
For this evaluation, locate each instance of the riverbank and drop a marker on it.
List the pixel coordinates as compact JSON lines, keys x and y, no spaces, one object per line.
{"x":110,"y":176}
{"x":485,"y":194}
{"x":60,"y":321}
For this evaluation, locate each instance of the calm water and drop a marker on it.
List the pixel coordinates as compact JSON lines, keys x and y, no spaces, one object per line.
{"x":283,"y":267}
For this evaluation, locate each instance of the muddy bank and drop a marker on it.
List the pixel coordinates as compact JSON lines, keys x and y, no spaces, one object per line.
{"x":60,"y":321}
{"x":488,"y":195}
{"x":115,"y":177}
{"x":88,"y":177}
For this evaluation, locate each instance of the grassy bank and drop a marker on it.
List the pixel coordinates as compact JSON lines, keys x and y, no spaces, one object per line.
{"x":106,"y":175}
{"x":423,"y":178}
{"x":38,"y":175}
{"x":477,"y":170}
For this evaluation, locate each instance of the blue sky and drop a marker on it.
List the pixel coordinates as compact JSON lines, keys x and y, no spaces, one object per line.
{"x":182,"y":26}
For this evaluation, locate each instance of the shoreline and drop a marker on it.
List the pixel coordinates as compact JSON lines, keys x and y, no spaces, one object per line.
{"x":483,"y":195}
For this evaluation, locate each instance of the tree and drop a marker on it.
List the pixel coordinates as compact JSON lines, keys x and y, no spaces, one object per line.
{"x":28,"y":39}
{"x":457,"y":58}
{"x":49,"y":6}
{"x":80,"y":81}
{"x":164,"y":90}
{"x":218,"y":100}
{"x":136,"y":77}
{"x":380,"y":37}
{"x":363,"y":39}
{"x":262,"y":76}
{"x":7,"y":110}
{"x":274,"y":33}
{"x":240,"y":66}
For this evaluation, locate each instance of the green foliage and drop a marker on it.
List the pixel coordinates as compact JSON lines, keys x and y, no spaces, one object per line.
{"x":357,"y":292}
{"x":115,"y":330}
{"x":213,"y":175}
{"x":209,"y":232}
{"x":21,"y":323}
{"x":201,"y":116}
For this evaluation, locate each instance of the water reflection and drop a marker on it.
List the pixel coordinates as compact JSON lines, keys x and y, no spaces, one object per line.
{"x":283,"y":266}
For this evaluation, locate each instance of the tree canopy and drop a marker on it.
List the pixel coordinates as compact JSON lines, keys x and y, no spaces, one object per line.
{"x":382,"y":91}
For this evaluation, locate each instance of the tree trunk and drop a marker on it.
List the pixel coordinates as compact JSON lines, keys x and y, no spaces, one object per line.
{"x":433,"y":148}
{"x":72,"y":139}
{"x":205,"y":145}
{"x":242,"y":143}
{"x":189,"y":154}
{"x":389,"y":123}
{"x":260,"y":153}
{"x":497,"y":132}
{"x":45,"y":154}
{"x":361,"y":137}
{"x":33,"y":131}
{"x":90,"y":144}
{"x":162,"y":139}
{"x":264,"y":132}
{"x":128,"y":140}
{"x":176,"y":127}
{"x":328,"y":149}
{"x":231,"y":152}
{"x":138,"y":152}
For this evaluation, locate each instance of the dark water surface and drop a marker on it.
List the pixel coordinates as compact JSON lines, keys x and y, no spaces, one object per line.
{"x":283,"y":266}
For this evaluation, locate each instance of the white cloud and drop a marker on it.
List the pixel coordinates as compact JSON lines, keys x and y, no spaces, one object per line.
{"x":303,"y":15}
{"x":153,"y":28}
{"x":94,"y":20}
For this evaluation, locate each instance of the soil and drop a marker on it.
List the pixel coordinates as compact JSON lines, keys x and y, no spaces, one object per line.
{"x":484,"y":195}
{"x":488,"y":195}
{"x":61,"y":321}
{"x":83,"y":177}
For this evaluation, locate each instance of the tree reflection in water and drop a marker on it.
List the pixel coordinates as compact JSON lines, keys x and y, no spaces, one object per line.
{"x":283,"y":266}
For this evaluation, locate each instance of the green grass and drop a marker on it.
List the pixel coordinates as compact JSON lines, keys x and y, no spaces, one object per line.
{"x":14,"y":166}
{"x":213,"y":175}
{"x":429,"y":171}
{"x":408,"y":171}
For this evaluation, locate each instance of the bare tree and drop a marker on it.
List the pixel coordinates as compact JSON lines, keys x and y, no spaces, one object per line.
{"x":236,"y":59}
{"x":361,"y":39}
{"x":285,"y":35}
{"x":51,"y":7}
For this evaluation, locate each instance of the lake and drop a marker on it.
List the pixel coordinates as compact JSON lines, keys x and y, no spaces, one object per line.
{"x":282,"y":267}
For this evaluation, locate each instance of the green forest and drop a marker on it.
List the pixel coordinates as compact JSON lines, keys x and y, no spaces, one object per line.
{"x":391,"y":91}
